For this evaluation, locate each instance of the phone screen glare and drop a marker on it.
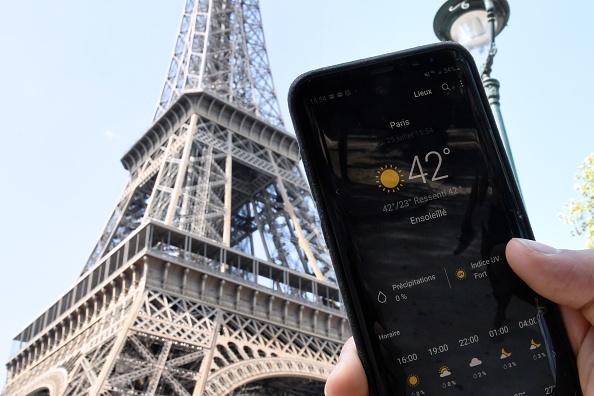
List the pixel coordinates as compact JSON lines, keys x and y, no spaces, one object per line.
{"x":410,"y":180}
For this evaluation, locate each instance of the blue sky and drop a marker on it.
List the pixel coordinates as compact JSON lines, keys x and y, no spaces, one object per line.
{"x":80,"y":83}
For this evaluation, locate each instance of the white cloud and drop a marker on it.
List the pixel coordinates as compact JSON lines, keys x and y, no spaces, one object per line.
{"x":112,"y":135}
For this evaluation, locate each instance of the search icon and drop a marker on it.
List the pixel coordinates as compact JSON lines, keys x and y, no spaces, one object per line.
{"x":445,"y":87}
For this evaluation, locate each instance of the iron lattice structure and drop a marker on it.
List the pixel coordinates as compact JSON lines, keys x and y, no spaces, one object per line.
{"x":211,"y":276}
{"x":220,"y":48}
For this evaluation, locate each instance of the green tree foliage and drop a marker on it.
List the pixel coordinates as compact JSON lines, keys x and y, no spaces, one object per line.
{"x":581,"y":210}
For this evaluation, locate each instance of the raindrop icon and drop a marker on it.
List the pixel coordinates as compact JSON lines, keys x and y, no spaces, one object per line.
{"x":381,"y":297}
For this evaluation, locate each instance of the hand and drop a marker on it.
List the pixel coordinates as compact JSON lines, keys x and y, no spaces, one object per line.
{"x":567,"y":278}
{"x":563,"y":276}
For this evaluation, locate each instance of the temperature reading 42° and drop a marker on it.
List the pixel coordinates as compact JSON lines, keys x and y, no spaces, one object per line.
{"x":431,"y":158}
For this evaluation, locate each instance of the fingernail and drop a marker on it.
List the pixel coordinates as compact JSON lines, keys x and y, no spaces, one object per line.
{"x":332,"y":372}
{"x":538,"y":247}
{"x":328,"y":379}
{"x":348,"y":344}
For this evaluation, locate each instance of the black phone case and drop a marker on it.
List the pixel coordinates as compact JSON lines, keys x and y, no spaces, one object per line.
{"x":344,"y":279}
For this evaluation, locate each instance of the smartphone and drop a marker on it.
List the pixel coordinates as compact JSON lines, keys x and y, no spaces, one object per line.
{"x":417,"y":201}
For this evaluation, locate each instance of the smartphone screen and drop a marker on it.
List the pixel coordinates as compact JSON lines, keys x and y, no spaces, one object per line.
{"x":418,"y":201}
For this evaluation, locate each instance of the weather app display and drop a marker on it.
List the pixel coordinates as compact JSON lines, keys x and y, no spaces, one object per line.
{"x":426,"y":228}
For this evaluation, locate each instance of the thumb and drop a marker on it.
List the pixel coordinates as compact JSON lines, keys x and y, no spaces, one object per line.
{"x":348,"y":377}
{"x":563,"y":276}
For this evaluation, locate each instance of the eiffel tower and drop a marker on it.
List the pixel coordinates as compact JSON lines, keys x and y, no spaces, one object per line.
{"x":211,"y":276}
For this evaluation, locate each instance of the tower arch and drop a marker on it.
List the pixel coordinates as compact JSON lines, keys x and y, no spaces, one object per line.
{"x":235,"y":376}
{"x":52,"y":383}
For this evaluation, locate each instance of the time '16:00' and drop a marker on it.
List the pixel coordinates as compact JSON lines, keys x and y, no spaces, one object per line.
{"x":407,"y":359}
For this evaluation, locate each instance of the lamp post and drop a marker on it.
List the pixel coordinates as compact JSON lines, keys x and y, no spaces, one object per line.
{"x":474,"y":24}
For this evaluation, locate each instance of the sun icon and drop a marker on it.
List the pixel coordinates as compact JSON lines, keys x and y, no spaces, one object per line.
{"x":413,"y":380}
{"x":389,"y":178}
{"x":460,"y":274}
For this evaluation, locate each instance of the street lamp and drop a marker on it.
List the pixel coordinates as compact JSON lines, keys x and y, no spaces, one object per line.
{"x":474,"y":24}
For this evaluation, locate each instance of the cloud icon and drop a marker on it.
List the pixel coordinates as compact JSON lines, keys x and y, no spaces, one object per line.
{"x":445,"y":373}
{"x":475,"y":362}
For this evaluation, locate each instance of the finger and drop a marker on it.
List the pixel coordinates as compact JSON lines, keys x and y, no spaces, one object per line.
{"x":576,"y":326}
{"x":348,"y":377}
{"x":562,"y":276}
{"x":565,"y":277}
